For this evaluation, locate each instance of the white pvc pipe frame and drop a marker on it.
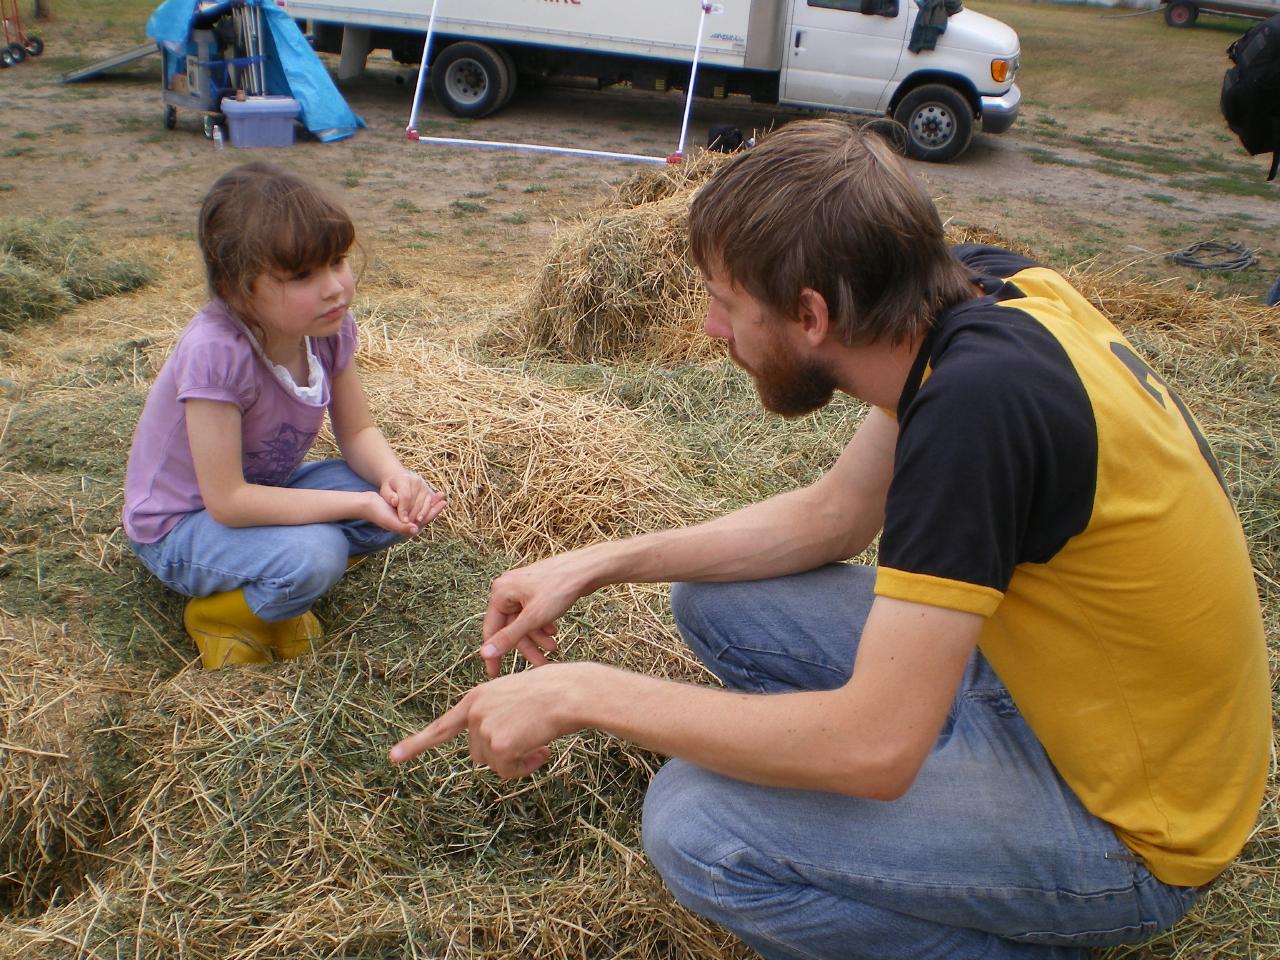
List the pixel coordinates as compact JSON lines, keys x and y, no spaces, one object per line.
{"x":411,"y":131}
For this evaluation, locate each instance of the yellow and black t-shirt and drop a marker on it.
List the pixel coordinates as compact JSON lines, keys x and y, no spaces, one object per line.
{"x":1046,"y":478}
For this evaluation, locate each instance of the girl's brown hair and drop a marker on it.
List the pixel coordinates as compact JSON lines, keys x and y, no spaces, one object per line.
{"x":822,"y":206}
{"x":260,"y":218}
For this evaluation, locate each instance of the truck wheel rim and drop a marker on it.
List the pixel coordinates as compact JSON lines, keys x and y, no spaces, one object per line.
{"x":466,"y":81}
{"x":933,"y":126}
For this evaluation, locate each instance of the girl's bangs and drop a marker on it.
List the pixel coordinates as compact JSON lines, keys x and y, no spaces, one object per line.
{"x":305,"y":239}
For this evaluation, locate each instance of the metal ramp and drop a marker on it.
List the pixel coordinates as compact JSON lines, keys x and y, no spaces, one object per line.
{"x":110,"y":63}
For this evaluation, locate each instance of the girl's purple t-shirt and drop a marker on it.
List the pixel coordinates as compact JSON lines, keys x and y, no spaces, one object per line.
{"x":216,"y":359}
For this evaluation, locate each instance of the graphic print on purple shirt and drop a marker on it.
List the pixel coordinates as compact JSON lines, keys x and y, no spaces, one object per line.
{"x":274,"y":462}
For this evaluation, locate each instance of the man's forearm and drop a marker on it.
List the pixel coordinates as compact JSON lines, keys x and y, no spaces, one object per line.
{"x":786,"y":534}
{"x":832,"y":519}
{"x":800,"y":740}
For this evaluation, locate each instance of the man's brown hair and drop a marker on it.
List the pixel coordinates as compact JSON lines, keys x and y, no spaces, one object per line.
{"x":820,"y":205}
{"x":259,"y":218}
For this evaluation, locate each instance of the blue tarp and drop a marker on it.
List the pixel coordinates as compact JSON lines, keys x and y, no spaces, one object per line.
{"x":291,"y":67}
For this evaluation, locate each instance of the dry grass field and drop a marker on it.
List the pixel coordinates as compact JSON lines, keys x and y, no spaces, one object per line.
{"x":530,"y":342}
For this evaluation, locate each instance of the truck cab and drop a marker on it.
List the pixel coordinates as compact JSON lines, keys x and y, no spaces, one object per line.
{"x":939,"y":95}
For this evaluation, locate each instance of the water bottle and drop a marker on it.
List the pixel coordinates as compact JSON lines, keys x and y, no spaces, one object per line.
{"x":217,"y":136}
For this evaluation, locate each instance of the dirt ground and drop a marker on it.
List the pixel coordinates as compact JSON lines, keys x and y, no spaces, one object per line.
{"x":98,"y":151}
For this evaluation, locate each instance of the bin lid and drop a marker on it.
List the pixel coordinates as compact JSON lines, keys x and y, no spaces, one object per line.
{"x":269,"y":106}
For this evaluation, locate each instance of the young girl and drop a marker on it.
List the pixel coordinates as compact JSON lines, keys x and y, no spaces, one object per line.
{"x":218,"y":503}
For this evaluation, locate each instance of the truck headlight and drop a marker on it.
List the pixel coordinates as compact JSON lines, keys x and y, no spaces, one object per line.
{"x":1003,"y":69}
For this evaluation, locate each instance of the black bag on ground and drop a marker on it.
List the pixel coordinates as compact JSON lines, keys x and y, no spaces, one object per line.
{"x":1251,"y":90}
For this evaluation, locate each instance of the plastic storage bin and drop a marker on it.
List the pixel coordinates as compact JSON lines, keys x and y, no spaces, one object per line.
{"x":261,"y":121}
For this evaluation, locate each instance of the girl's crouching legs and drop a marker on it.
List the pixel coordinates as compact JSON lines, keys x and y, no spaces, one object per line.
{"x":254,"y":585}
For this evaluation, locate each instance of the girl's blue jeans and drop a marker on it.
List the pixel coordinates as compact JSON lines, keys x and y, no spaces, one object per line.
{"x":989,"y":854}
{"x":283,"y":569}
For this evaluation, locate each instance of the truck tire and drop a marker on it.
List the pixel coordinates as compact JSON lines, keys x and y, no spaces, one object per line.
{"x":939,"y":122}
{"x":470,"y":79}
{"x":1181,"y":13}
{"x":513,"y":76}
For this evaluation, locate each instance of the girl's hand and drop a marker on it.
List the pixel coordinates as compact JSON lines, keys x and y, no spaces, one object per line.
{"x":377,"y":510}
{"x":412,"y":498}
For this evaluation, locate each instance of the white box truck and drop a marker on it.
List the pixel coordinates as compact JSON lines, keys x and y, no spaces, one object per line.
{"x":837,"y":55}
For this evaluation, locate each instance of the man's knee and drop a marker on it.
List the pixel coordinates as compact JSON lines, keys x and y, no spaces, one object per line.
{"x":695,"y":605}
{"x":680,"y":841}
{"x":682,"y":600}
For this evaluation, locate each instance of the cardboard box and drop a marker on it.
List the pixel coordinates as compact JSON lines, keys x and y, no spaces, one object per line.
{"x":261,"y":121}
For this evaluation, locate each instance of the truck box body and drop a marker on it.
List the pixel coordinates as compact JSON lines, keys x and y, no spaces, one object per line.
{"x":661,"y":29}
{"x":849,"y":55}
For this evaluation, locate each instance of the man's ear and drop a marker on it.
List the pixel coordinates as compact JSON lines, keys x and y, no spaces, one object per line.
{"x":813,"y":316}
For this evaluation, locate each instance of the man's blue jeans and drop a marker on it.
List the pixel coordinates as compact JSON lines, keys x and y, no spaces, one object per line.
{"x":283,"y":569}
{"x":989,"y":854}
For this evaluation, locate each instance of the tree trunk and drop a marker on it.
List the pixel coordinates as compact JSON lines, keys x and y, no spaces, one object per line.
{"x":44,"y":9}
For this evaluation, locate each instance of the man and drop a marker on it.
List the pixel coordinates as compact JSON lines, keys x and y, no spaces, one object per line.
{"x":1041,"y":723}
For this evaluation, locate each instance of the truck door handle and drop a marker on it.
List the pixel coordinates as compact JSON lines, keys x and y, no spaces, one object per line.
{"x":799,"y":35}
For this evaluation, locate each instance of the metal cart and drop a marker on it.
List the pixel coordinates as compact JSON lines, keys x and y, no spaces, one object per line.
{"x":18,"y":44}
{"x":223,"y":55}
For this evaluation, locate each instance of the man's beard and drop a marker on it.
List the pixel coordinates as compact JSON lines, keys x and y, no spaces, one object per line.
{"x":789,"y":386}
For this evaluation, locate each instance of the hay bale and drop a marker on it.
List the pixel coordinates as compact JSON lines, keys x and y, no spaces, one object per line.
{"x":49,"y":244}
{"x":92,"y":278}
{"x":59,"y":775}
{"x":650,"y":184}
{"x":28,"y":295}
{"x":618,"y":285}
{"x":528,"y":467}
{"x":49,"y":265}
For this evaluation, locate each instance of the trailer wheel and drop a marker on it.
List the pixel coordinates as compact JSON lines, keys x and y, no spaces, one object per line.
{"x":470,"y":79}
{"x":17,"y":52}
{"x":513,"y":77}
{"x":6,"y":58}
{"x":939,"y":122}
{"x":1181,"y":13}
{"x":170,"y":117}
{"x":35,"y":46}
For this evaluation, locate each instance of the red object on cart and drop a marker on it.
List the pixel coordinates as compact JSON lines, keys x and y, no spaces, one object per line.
{"x":18,"y":45}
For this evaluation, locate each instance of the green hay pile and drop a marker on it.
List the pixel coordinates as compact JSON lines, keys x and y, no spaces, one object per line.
{"x":262,"y":819}
{"x":57,"y":777}
{"x":47,"y":266}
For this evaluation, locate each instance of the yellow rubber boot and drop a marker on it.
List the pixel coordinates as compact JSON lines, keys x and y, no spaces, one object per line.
{"x":227,"y":633}
{"x":295,"y":637}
